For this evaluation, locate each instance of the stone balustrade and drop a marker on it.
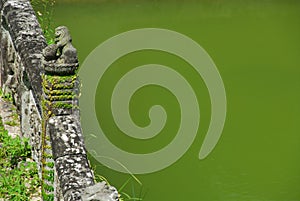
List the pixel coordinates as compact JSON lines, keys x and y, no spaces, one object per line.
{"x":45,"y":87}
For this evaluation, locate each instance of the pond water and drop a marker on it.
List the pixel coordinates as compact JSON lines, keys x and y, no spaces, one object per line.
{"x":255,"y":46}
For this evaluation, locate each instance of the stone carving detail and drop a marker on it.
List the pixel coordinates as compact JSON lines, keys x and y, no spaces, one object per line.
{"x":62,"y":122}
{"x":62,"y":52}
{"x":60,"y":86}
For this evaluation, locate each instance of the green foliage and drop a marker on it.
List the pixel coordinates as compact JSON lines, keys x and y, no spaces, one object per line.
{"x":61,"y":97}
{"x":55,"y":79}
{"x":6,"y":96}
{"x":47,"y":197}
{"x":63,"y":105}
{"x":44,"y":12}
{"x":11,"y":123}
{"x":58,"y":82}
{"x":125,"y":196}
{"x":19,"y":177}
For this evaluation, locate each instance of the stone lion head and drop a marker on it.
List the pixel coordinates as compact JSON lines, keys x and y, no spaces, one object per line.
{"x":62,"y":36}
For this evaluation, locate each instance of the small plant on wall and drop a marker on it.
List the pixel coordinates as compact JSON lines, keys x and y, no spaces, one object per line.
{"x":44,"y":12}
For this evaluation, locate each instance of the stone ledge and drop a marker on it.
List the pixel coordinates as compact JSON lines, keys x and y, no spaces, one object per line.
{"x":60,"y":69}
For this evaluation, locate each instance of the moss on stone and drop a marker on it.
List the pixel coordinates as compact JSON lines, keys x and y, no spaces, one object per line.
{"x":62,"y":105}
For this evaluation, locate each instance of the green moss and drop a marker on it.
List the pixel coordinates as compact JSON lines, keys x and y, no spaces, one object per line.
{"x":47,"y":147}
{"x":63,"y":105}
{"x":59,"y":92}
{"x":54,"y":79}
{"x":44,"y":9}
{"x":49,"y":172}
{"x":47,"y":155}
{"x":53,"y":82}
{"x":46,"y":196}
{"x":48,"y":178}
{"x":62,"y":97}
{"x":48,"y":175}
{"x":50,"y":164}
{"x":12,"y":123}
{"x":48,"y":137}
{"x":48,"y":188}
{"x":6,"y":96}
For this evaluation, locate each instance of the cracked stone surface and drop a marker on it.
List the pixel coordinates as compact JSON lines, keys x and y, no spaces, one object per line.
{"x":19,"y":17}
{"x":100,"y":192}
{"x":73,"y":172}
{"x":31,"y":125}
{"x":66,"y":136}
{"x":9,"y":115}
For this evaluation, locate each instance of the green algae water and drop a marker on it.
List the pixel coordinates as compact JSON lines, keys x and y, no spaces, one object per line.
{"x":255,"y":46}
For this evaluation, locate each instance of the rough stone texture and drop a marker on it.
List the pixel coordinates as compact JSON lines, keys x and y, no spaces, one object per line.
{"x":62,"y":52}
{"x":13,"y":70}
{"x":72,"y":166}
{"x":8,"y":114}
{"x":73,"y":172}
{"x":31,"y":125}
{"x":60,"y":99}
{"x":66,"y":136}
{"x":57,"y":190}
{"x":61,"y":69}
{"x":100,"y":192}
{"x":19,"y":19}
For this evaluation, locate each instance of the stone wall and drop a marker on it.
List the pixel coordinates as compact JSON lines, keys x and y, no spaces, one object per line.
{"x":55,"y":132}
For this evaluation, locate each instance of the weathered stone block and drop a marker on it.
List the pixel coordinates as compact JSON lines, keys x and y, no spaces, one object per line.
{"x":29,"y":41}
{"x":66,"y":136}
{"x":100,"y":192}
{"x":73,"y":172}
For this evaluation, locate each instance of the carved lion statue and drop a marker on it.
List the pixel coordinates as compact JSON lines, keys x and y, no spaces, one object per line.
{"x":62,"y":51}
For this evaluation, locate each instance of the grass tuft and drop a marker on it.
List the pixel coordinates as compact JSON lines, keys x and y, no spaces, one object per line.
{"x":18,"y":175}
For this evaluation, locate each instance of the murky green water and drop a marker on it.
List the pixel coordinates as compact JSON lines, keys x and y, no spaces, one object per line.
{"x":255,"y":45}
